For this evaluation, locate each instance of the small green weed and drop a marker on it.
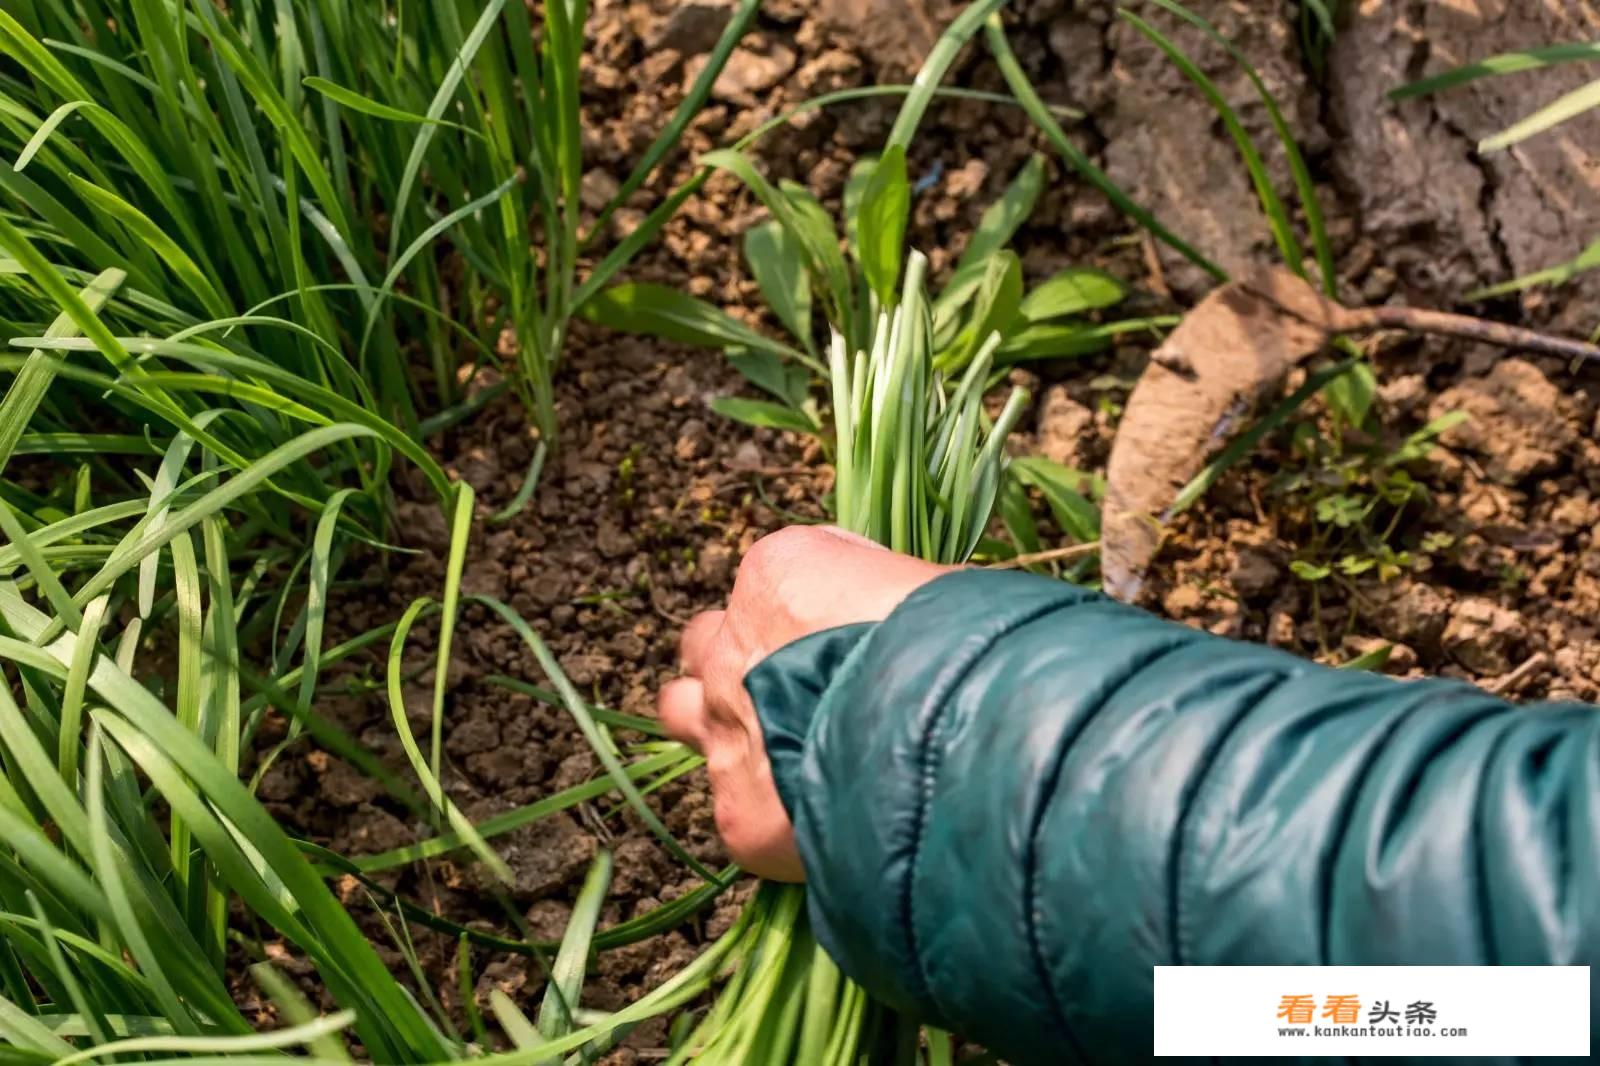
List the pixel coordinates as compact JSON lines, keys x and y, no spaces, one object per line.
{"x":1354,"y":503}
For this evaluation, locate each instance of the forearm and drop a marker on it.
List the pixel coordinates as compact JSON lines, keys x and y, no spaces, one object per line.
{"x":1013,"y":798}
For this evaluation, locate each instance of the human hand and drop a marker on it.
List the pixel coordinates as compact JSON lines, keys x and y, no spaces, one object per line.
{"x":791,"y":584}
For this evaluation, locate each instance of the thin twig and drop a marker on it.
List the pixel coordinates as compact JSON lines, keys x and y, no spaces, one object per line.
{"x":1418,"y":320}
{"x":1512,"y":681}
{"x":1295,"y":297}
{"x":1071,"y":551}
{"x":1152,"y":264}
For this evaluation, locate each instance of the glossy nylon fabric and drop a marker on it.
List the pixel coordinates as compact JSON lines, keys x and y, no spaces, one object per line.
{"x":1014,"y":797}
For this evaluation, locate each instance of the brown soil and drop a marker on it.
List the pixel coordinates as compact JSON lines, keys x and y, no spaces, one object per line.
{"x":643,"y":515}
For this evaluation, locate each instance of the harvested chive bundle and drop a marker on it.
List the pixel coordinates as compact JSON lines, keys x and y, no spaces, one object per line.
{"x":918,"y":464}
{"x":918,"y":469}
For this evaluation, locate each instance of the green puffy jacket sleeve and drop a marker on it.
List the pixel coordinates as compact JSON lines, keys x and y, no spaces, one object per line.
{"x":1014,"y":797}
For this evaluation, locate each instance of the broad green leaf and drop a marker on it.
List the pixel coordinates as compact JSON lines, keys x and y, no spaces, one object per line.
{"x":1351,"y":395}
{"x":1063,"y":490}
{"x":855,"y":187}
{"x":779,"y":267}
{"x":1065,"y":340}
{"x":1054,"y":340}
{"x":994,"y":309}
{"x":1072,"y":292}
{"x":998,"y":225}
{"x":1309,"y":571}
{"x":1018,"y":517}
{"x":763,"y":415}
{"x":1005,"y":216}
{"x":805,"y":220}
{"x":785,"y":380}
{"x":814,"y":225}
{"x":881,"y":223}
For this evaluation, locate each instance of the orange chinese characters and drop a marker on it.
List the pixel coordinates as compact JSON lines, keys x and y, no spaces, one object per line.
{"x":1297,"y":1010}
{"x":1342,"y":1010}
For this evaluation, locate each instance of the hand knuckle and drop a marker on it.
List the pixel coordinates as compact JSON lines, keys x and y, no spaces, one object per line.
{"x":722,"y":764}
{"x":778,"y":549}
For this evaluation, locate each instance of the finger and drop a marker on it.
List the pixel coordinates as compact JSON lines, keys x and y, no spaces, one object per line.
{"x":681,"y":707}
{"x":750,"y":817}
{"x":694,"y":646}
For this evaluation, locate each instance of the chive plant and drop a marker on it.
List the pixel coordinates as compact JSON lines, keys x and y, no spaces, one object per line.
{"x":149,"y":486}
{"x":174,"y":510}
{"x":175,"y":507}
{"x":307,"y":158}
{"x":917,"y":465}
